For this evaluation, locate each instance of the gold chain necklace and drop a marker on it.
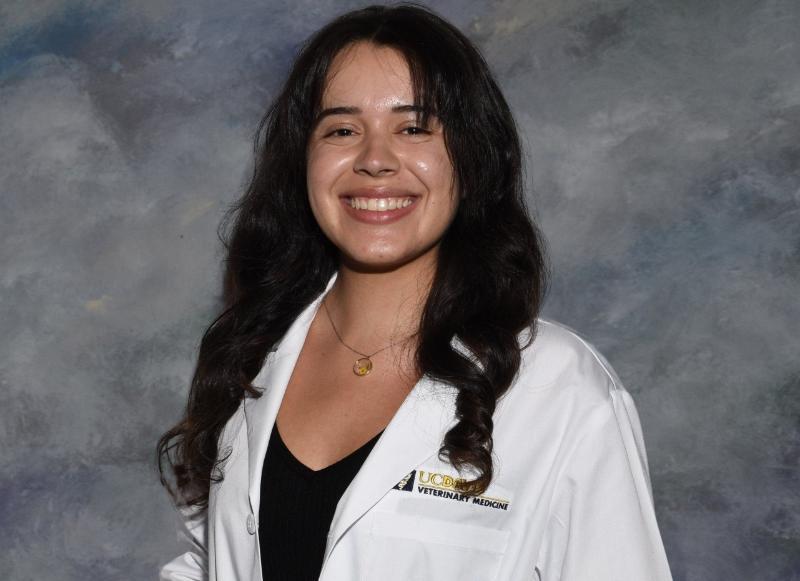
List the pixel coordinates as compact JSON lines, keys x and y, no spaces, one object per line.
{"x":363,"y":365}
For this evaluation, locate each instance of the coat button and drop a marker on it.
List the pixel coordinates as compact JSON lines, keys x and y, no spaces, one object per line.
{"x":251,"y":524}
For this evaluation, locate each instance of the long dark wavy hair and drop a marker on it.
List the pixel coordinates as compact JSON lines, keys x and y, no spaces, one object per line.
{"x":491,"y":277}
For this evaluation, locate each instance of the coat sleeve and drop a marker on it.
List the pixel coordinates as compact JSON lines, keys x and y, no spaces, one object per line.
{"x":193,"y":564}
{"x":602,"y":524}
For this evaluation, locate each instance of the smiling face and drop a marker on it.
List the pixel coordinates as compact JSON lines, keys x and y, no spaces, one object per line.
{"x":381,"y":187}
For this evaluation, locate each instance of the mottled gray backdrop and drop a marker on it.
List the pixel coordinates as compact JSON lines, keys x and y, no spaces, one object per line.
{"x":664,"y":164}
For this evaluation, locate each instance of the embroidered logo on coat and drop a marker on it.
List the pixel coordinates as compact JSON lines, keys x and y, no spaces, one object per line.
{"x":407,"y":483}
{"x":444,"y":486}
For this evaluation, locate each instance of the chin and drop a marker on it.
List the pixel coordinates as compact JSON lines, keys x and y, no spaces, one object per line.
{"x":374,"y":259}
{"x":372,"y":264}
{"x":383,"y":261}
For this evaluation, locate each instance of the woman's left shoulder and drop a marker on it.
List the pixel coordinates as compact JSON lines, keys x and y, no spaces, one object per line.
{"x":556,"y":358}
{"x":565,"y":389}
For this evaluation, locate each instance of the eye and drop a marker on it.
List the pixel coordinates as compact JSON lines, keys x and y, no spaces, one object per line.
{"x":340,"y":132}
{"x":417,"y":130}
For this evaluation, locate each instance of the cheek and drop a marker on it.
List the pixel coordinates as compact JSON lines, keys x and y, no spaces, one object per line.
{"x":438,"y":175}
{"x":314,"y":169}
{"x":434,"y":168}
{"x":320,"y":176}
{"x":325,"y":166}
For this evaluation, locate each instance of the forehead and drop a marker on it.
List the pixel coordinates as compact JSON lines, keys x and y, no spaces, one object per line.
{"x":367,"y":74}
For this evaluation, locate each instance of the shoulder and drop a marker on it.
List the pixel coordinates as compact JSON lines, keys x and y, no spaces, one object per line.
{"x":565,"y":391}
{"x":560,"y":356}
{"x":563,"y":380}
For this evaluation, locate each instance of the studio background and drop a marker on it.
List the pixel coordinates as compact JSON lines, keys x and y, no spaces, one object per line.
{"x":663,"y":142}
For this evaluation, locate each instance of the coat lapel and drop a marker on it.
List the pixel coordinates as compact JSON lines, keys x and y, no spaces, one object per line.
{"x":413,"y":435}
{"x":260,"y":413}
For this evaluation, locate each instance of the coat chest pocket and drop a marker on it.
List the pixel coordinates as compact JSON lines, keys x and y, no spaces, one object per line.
{"x":417,"y":548}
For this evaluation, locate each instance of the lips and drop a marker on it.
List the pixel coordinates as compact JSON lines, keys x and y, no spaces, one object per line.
{"x":378,"y":216}
{"x":384,"y":192}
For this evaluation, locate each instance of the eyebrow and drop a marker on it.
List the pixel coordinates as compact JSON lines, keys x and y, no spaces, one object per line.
{"x":356,"y":110}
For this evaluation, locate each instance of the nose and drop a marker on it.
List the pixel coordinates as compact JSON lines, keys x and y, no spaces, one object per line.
{"x":376,"y":156}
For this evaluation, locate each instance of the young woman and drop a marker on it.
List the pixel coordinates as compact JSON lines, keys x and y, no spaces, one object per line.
{"x":379,"y":399}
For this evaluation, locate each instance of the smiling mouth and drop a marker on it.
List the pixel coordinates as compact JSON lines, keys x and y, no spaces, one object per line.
{"x":380,"y":204}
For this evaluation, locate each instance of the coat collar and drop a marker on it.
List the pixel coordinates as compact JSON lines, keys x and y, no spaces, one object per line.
{"x":412,"y":436}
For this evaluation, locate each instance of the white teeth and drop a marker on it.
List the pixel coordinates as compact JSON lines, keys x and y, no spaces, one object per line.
{"x":380,"y":204}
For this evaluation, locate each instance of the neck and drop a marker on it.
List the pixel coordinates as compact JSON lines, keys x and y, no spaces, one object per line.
{"x":374,"y":309}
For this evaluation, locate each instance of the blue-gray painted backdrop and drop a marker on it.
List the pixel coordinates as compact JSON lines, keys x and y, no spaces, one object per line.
{"x":663,"y":140}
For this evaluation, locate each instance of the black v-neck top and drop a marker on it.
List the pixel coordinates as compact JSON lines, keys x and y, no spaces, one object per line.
{"x":296,"y":509}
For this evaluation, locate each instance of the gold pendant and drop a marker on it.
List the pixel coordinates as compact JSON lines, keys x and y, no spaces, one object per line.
{"x":362,"y":366}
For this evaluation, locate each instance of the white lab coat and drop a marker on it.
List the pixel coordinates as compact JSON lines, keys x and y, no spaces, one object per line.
{"x":571,"y":499}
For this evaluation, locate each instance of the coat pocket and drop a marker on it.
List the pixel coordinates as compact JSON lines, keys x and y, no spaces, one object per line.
{"x":416,"y":548}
